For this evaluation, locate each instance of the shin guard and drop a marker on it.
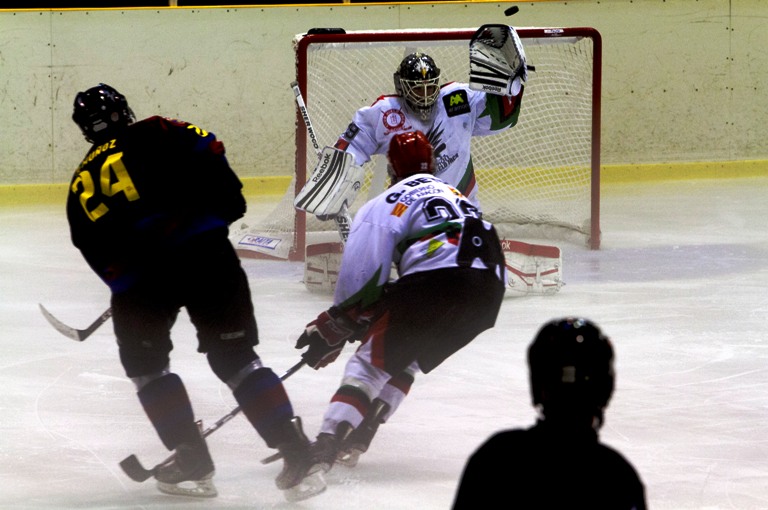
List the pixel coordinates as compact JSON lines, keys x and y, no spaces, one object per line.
{"x":265,"y":403}
{"x":167,"y":405}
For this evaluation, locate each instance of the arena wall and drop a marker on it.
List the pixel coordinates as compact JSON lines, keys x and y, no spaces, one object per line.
{"x":683,"y":81}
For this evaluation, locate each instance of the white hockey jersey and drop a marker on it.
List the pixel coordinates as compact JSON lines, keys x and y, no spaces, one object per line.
{"x":459,"y":114}
{"x":417,"y":225}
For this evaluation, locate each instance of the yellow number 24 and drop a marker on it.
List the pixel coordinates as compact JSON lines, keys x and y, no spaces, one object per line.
{"x":122,"y":183}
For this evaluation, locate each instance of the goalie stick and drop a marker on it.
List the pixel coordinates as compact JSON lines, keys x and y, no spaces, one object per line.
{"x":138,"y":473}
{"x":343,"y":218}
{"x":77,"y":335}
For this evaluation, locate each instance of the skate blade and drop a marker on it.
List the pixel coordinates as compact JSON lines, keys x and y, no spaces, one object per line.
{"x":310,"y":486}
{"x":192,"y":488}
{"x":349,"y":458}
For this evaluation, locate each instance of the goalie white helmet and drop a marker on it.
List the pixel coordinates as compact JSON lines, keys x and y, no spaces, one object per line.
{"x":416,"y":80}
{"x":571,"y":370}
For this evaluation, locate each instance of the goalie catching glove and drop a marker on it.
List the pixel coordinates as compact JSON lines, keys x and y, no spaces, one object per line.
{"x":497,"y":60}
{"x":326,"y":337}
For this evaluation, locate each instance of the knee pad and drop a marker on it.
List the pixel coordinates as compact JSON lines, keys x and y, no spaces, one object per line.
{"x":143,"y":380}
{"x":232,"y":364}
{"x":139,"y":364}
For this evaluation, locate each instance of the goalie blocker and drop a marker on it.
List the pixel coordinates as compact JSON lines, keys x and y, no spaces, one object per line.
{"x":333,"y":185}
{"x":531,"y":268}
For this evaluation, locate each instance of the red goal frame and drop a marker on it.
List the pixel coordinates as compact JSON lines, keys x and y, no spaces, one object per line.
{"x":303,"y":44}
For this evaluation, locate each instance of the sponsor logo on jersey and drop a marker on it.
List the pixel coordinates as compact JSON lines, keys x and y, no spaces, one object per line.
{"x":408,"y":197}
{"x":443,"y":162}
{"x":399,"y":209}
{"x":432,"y":247}
{"x":456,"y":103}
{"x":394,"y":120}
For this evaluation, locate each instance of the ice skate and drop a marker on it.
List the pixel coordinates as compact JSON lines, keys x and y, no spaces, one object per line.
{"x":360,"y":439}
{"x":298,"y":480}
{"x":325,"y":450}
{"x":190,"y":473}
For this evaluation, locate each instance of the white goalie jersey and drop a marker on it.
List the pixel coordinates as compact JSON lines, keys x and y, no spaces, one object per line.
{"x":459,"y":114}
{"x":416,"y":224}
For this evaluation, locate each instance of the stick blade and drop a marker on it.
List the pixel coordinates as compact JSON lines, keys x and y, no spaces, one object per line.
{"x":133,"y":468}
{"x":59,"y":326}
{"x":272,"y":458}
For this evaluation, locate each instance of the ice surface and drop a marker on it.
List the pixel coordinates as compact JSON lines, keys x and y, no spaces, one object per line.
{"x":680,"y":284}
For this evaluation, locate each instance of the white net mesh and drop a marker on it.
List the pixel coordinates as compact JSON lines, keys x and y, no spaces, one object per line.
{"x":534,"y":179}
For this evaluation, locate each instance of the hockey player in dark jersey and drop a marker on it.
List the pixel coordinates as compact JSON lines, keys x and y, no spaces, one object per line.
{"x":149,"y":208}
{"x":559,"y":462}
{"x":449,"y":288}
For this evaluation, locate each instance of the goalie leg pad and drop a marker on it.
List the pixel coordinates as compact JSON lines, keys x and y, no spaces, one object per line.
{"x":532,"y":268}
{"x":333,"y":184}
{"x":321,"y":266}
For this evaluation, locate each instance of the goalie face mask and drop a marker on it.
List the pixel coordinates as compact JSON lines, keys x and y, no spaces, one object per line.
{"x":417,"y":81}
{"x":571,"y":369}
{"x":409,"y":153}
{"x":101,"y":112}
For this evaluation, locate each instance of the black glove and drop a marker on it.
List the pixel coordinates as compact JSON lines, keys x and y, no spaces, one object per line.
{"x":326,"y":337}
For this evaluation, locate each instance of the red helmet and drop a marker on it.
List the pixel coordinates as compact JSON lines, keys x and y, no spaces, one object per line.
{"x":410,"y":153}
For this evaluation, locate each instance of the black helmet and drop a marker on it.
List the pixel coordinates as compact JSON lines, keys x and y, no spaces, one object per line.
{"x":101,"y":112}
{"x":571,"y":369}
{"x":416,"y":80}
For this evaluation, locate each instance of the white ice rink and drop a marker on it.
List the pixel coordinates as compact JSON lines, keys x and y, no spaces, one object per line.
{"x":680,"y":284}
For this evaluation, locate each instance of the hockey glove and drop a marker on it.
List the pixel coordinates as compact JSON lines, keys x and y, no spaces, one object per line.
{"x":333,"y":184}
{"x":326,"y":337}
{"x":497,"y":61}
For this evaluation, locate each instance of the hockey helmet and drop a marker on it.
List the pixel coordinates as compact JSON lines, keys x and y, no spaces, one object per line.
{"x":571,"y":369}
{"x":410,"y":153}
{"x":416,"y":80}
{"x":101,"y":112}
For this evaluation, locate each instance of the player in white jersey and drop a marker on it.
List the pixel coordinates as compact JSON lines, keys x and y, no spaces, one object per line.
{"x":449,"y":289}
{"x":450,"y":115}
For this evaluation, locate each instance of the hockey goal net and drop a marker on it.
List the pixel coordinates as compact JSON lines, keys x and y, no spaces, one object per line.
{"x":539,"y":179}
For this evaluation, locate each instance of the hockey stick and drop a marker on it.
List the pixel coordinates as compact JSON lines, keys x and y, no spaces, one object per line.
{"x":77,"y":335}
{"x":343,"y":218}
{"x":135,"y":471}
